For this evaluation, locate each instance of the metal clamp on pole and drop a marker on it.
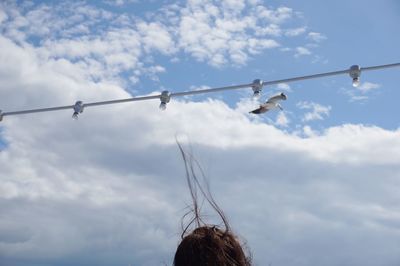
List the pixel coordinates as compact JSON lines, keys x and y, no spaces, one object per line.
{"x":257,"y":87}
{"x":355,"y":73}
{"x":78,"y":108}
{"x":165,"y":97}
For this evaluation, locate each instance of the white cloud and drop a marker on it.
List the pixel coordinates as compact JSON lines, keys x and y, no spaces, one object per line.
{"x":282,"y":120}
{"x":317,"y":111}
{"x":196,"y":88}
{"x":116,"y":51}
{"x":219,"y":35}
{"x":316,"y":36}
{"x":368,"y":86}
{"x":257,"y":46}
{"x":102,"y":53}
{"x":234,"y":5}
{"x":3,"y":16}
{"x":300,"y":51}
{"x":284,"y":87}
{"x":361,"y":93}
{"x":119,"y":2}
{"x":272,"y":30}
{"x":295,"y":31}
{"x":309,"y":132}
{"x":355,"y":98}
{"x":156,"y":36}
{"x":277,"y":16}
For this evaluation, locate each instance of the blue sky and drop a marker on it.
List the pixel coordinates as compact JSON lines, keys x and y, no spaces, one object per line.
{"x":316,"y":184}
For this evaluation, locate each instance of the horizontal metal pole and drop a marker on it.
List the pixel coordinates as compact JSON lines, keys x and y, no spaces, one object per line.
{"x":235,"y":87}
{"x":185,"y":93}
{"x":379,"y":67}
{"x":140,"y":98}
{"x":37,"y":110}
{"x":334,"y":73}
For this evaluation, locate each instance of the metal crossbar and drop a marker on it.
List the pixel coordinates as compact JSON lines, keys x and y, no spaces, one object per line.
{"x":165,"y":96}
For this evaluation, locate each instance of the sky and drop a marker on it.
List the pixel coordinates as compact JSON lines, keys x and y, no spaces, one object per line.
{"x":315,"y":184}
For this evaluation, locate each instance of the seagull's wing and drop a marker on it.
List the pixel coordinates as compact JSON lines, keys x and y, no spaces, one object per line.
{"x":270,"y":104}
{"x":276,"y":98}
{"x":260,"y":110}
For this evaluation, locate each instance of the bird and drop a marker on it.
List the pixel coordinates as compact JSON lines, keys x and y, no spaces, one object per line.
{"x":270,"y":104}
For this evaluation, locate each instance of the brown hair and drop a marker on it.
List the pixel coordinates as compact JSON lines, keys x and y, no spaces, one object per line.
{"x":206,"y":245}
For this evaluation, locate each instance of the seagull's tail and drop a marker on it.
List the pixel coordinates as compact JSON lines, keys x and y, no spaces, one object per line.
{"x":257,"y":111}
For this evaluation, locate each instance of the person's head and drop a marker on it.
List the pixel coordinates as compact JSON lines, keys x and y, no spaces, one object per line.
{"x":203,"y":244}
{"x":210,"y":246}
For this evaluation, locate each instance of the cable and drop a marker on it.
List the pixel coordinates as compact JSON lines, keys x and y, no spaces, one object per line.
{"x":354,"y":72}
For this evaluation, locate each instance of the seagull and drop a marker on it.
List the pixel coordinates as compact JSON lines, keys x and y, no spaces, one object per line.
{"x":271,"y":103}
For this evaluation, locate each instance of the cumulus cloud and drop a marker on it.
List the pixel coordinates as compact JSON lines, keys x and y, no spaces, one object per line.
{"x":317,"y":112}
{"x":295,"y":31}
{"x":280,"y":15}
{"x":361,"y":93}
{"x":309,"y":132}
{"x":282,"y":120}
{"x":300,"y":51}
{"x":316,"y":36}
{"x":313,"y":41}
{"x":284,"y":87}
{"x":156,"y":36}
{"x":368,"y":86}
{"x":119,"y":2}
{"x":3,"y":16}
{"x":220,"y":34}
{"x":101,"y":43}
